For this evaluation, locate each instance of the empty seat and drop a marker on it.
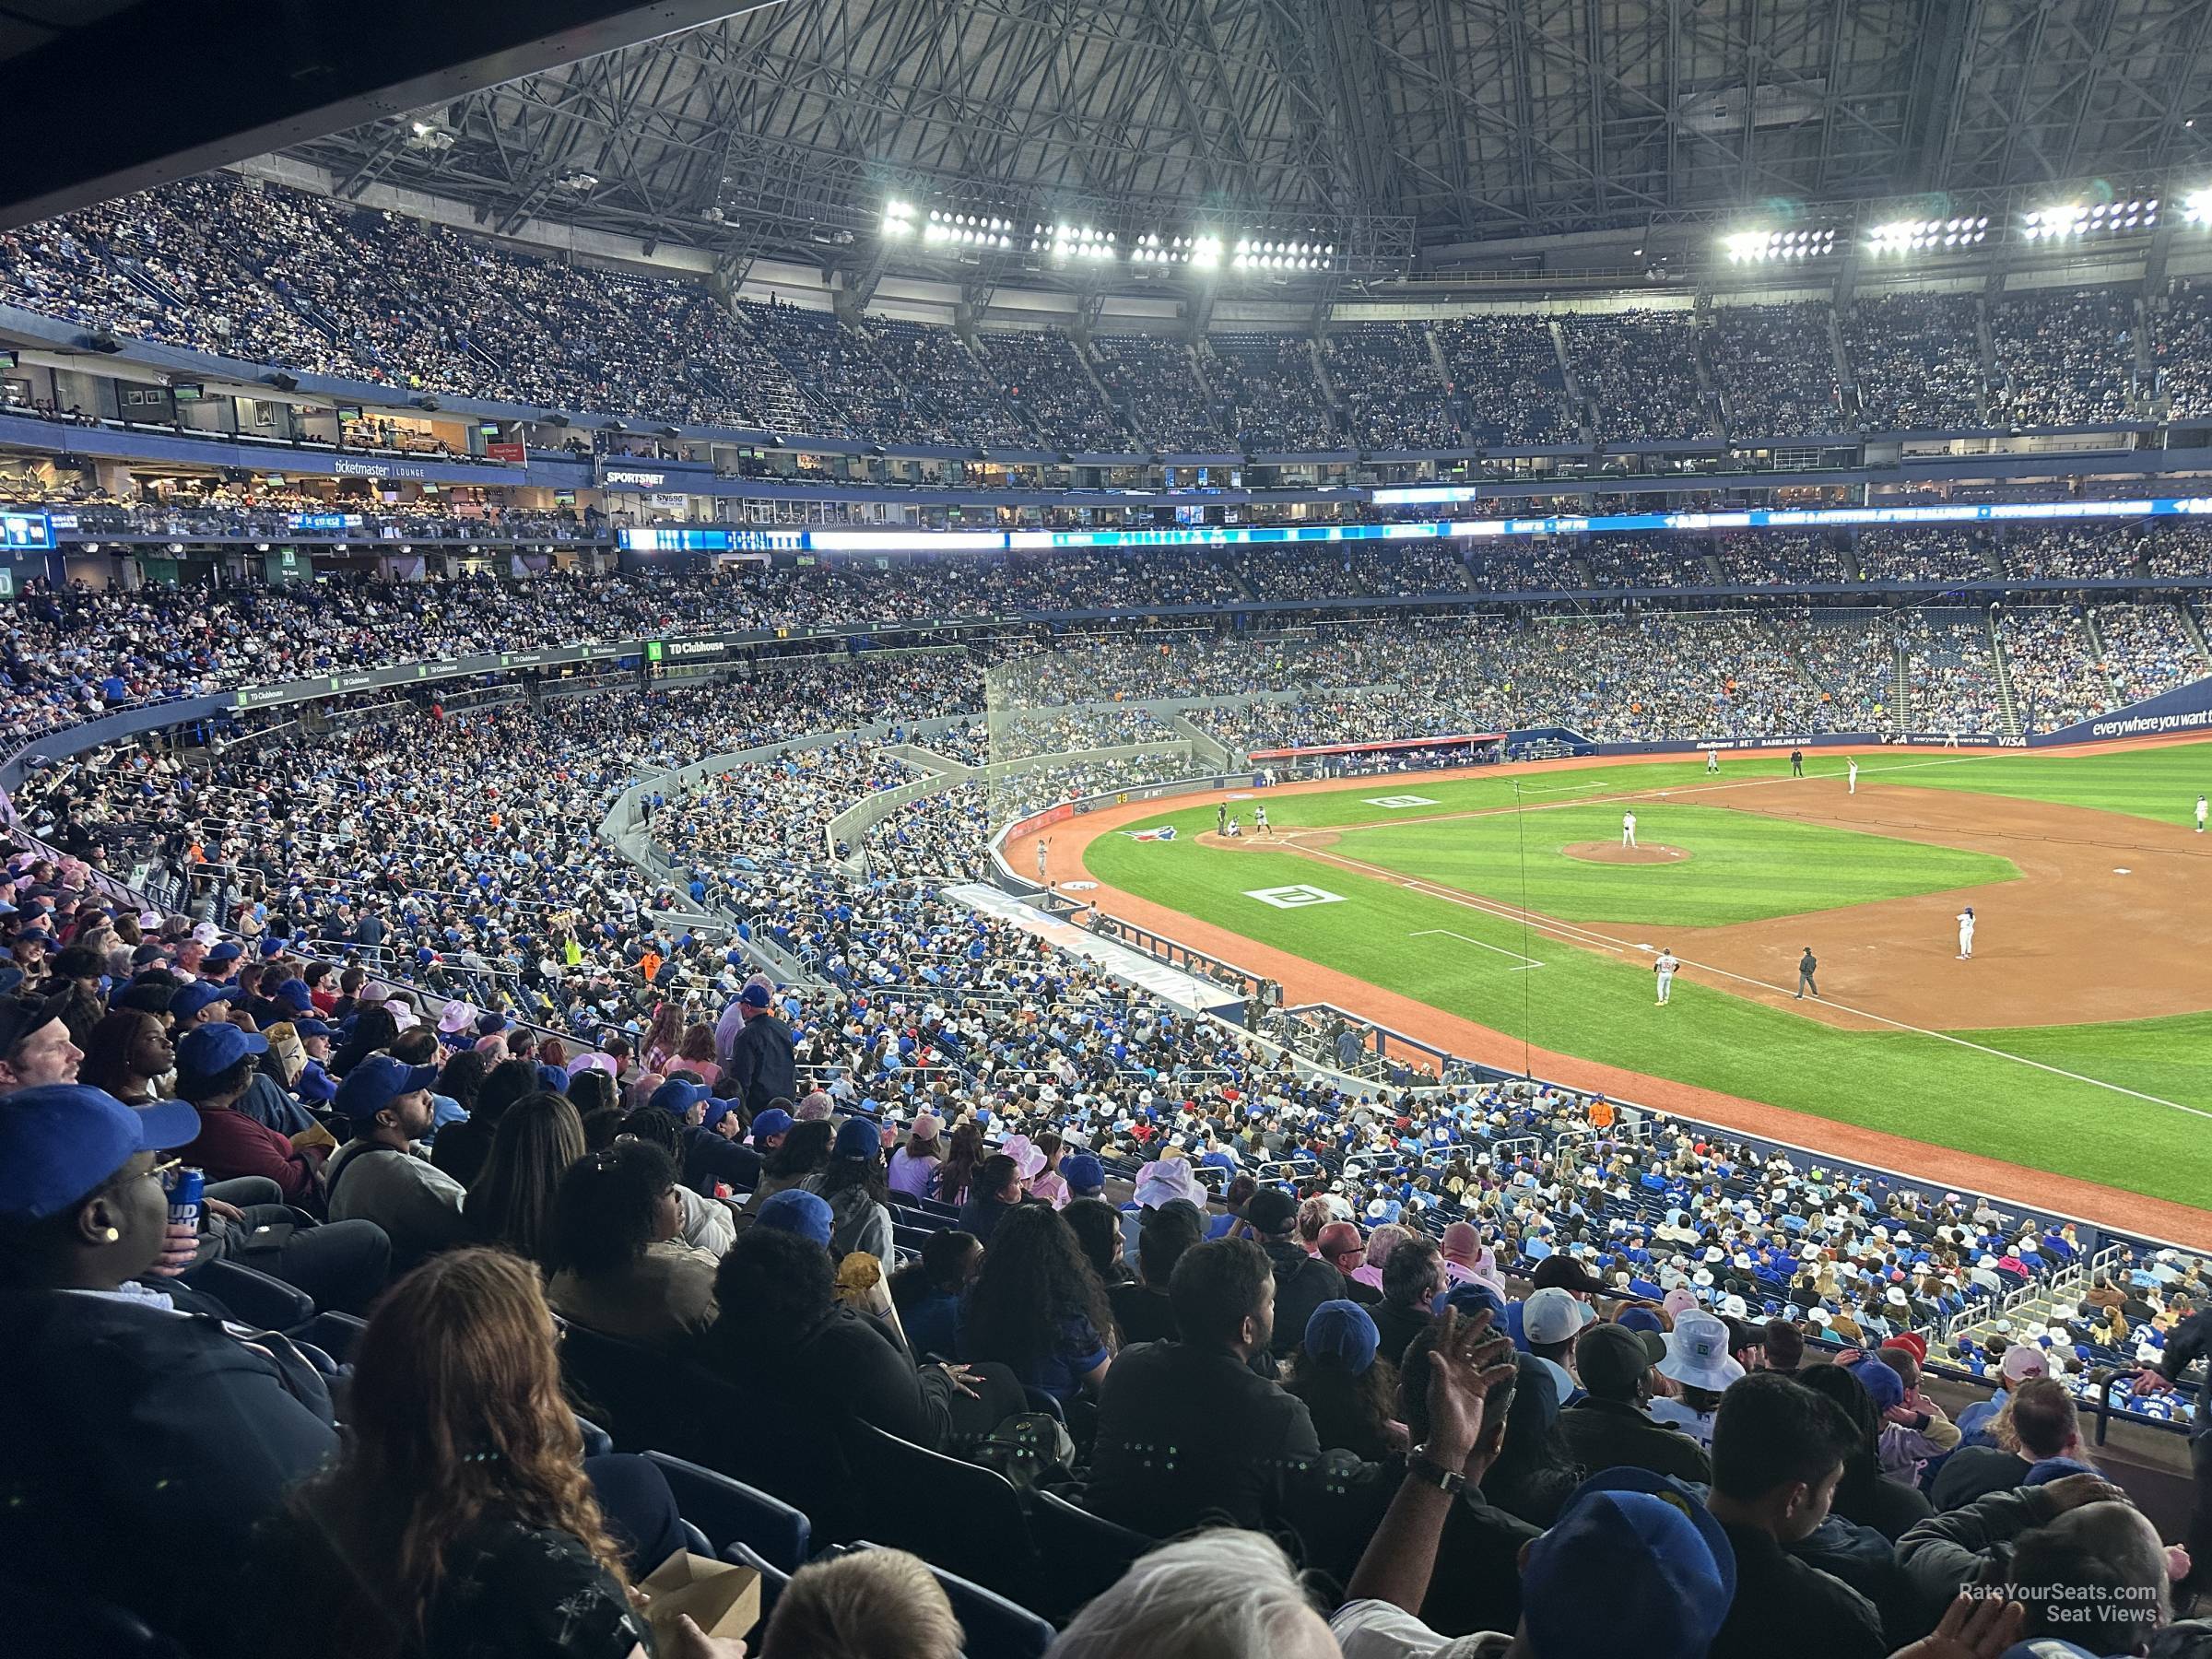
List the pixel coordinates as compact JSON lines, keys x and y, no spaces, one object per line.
{"x":729,"y":1512}
{"x":957,"y":1515}
{"x":1079,"y":1554}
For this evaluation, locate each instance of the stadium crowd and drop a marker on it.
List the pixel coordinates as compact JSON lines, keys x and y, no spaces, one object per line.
{"x":259,"y":272}
{"x":482,"y":1073}
{"x":788,"y":1235}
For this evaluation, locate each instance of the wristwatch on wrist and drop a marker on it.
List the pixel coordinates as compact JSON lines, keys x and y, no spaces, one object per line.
{"x":1424,"y":1468}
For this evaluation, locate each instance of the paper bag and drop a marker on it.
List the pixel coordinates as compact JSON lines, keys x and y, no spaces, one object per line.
{"x":722,"y":1600}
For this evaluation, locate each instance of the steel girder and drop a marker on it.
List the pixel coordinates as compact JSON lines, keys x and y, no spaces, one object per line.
{"x":1394,"y":124}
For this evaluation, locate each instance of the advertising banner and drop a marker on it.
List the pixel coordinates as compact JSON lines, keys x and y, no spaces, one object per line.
{"x":2183,"y":708}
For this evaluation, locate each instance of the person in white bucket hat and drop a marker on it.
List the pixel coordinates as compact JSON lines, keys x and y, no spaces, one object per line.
{"x":1698,"y":1361}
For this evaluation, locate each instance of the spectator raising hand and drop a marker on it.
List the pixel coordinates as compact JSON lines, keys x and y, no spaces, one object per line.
{"x":1974,"y":1627}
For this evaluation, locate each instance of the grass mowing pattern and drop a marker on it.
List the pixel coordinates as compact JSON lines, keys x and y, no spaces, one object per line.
{"x":1742,"y":868}
{"x":1599,"y":1006}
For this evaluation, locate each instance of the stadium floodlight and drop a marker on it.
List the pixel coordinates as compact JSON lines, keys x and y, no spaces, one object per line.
{"x":2196,"y":206}
{"x":2095,"y":218}
{"x":1914,"y":236}
{"x":899,"y":218}
{"x":1758,"y":247}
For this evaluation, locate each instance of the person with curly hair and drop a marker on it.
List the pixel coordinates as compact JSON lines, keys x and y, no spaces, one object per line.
{"x":618,"y":1265}
{"x":1037,"y":1306}
{"x":460,"y":1517}
{"x":1350,"y":1392}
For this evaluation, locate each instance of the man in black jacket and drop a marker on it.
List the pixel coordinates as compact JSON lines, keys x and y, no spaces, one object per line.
{"x":1778,"y":1451}
{"x":1186,"y":1430}
{"x":763,"y":1061}
{"x":2084,"y":1561}
{"x":1302,"y":1282}
{"x":1607,"y":1428}
{"x":149,"y":1432}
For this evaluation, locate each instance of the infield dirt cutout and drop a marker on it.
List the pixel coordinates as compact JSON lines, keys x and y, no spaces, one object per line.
{"x":1613,"y":852}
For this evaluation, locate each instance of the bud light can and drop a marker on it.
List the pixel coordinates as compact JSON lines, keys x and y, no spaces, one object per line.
{"x":186,"y":1189}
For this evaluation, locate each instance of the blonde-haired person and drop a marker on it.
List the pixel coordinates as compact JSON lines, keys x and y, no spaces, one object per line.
{"x":880,"y":1604}
{"x":457,"y":1521}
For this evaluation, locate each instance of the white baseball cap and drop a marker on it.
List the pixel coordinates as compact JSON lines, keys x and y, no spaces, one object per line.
{"x":1553,"y":1316}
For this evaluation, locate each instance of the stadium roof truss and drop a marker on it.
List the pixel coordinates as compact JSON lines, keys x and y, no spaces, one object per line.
{"x":1390,"y":129}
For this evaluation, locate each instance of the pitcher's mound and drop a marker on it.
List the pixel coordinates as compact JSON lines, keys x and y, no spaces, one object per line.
{"x":1614,"y":853}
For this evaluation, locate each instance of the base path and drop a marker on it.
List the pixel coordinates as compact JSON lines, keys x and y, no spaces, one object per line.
{"x":1305,"y":982}
{"x":2107,"y":921}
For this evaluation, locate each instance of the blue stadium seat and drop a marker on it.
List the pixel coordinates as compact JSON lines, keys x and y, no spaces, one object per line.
{"x":729,"y":1512}
{"x":994,"y":1627}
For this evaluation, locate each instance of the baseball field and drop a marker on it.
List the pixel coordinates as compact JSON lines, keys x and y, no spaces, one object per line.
{"x":1495,"y":912}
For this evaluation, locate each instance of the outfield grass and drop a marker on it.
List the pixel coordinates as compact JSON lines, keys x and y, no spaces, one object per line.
{"x":1742,"y":867}
{"x":1600,"y":1008}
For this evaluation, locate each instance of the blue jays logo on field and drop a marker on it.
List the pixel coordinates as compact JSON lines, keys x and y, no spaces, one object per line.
{"x":1165,"y":832}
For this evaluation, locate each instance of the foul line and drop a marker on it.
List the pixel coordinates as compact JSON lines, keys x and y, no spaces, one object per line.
{"x":1526,"y":961}
{"x":1583,"y":935}
{"x":1589,"y":799}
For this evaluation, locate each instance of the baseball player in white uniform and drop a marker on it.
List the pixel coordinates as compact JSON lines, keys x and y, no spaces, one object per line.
{"x":1966,"y":934}
{"x":1628,"y":829}
{"x":1664,"y":967}
{"x":1259,"y":819}
{"x":1855,"y":776}
{"x":1042,"y":845}
{"x":2200,"y":815}
{"x":1713,"y":761}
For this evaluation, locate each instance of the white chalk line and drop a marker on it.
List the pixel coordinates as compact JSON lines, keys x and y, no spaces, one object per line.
{"x":1583,"y":799}
{"x":1584,"y":935}
{"x":1526,"y":961}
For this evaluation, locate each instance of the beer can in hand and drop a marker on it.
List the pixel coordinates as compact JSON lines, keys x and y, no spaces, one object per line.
{"x":186,"y":1189}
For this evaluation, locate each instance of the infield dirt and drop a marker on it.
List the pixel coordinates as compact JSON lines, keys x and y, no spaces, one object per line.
{"x":2139,"y":955}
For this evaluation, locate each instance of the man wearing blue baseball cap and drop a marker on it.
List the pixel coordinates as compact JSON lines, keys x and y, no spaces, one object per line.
{"x":202,"y":1003}
{"x":763,"y":1057}
{"x":217,"y":1064}
{"x":34,"y":1043}
{"x":377,"y":1176}
{"x":144,"y":1426}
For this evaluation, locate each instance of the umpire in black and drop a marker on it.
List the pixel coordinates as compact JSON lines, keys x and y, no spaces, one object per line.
{"x":1808,"y":965}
